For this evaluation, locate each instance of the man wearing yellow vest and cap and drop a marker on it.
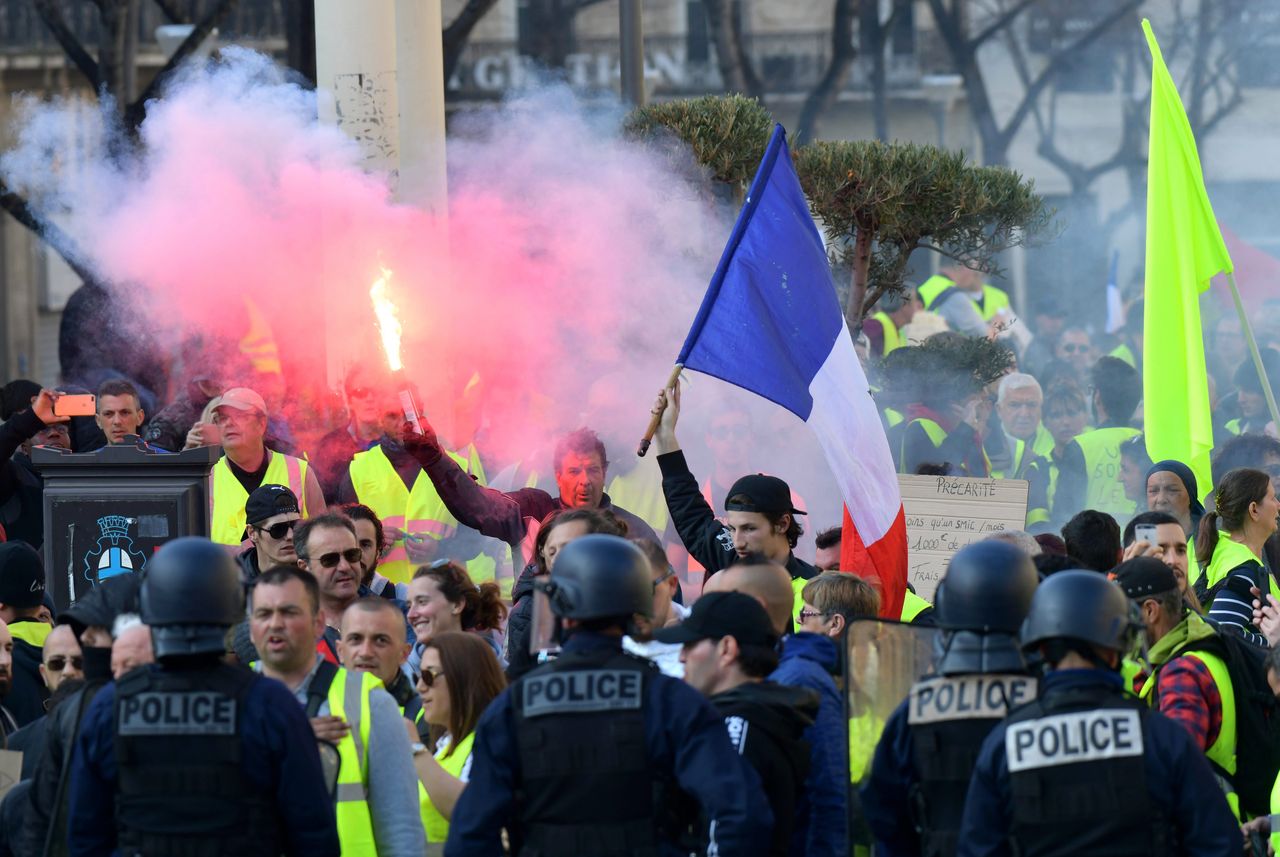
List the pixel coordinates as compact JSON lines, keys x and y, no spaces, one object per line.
{"x":247,"y":464}
{"x":356,"y":721}
{"x":915,"y":610}
{"x":941,"y":294}
{"x":1090,"y":474}
{"x":21,"y":596}
{"x":1190,"y":684}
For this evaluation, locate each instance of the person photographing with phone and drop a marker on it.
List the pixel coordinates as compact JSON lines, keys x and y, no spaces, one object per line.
{"x":21,"y":488}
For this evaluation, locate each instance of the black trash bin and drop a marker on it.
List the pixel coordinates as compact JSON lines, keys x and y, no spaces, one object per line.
{"x":107,"y":511}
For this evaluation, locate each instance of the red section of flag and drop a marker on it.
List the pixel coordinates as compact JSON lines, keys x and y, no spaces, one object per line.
{"x":883,"y":563}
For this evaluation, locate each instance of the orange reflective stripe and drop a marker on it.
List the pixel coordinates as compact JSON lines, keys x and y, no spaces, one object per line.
{"x":294,"y":468}
{"x":436,"y":529}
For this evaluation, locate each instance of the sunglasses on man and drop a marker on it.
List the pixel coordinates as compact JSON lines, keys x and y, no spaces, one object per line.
{"x":58,"y":663}
{"x":331,"y":560}
{"x":278,"y":531}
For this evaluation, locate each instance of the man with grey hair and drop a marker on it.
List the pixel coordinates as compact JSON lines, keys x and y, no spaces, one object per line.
{"x":131,"y":644}
{"x":1022,"y":436}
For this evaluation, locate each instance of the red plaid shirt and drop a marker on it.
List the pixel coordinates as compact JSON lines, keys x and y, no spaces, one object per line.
{"x":1185,"y":692}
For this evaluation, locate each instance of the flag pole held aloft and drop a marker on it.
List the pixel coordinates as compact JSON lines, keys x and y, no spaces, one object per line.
{"x":657,"y":418}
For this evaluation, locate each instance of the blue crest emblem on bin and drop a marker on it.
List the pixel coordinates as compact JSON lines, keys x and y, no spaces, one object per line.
{"x":115,"y":553}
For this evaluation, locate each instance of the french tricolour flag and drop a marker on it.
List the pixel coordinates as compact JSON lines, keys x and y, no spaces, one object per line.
{"x":771,"y":323}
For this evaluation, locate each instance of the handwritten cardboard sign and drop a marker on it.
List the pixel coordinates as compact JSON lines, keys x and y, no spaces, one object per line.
{"x":945,"y":513}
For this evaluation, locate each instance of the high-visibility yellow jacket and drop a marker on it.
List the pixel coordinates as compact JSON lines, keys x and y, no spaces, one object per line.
{"x":892,"y":337}
{"x":436,"y":825}
{"x":1105,"y":491}
{"x":349,"y":699}
{"x":227,"y":496}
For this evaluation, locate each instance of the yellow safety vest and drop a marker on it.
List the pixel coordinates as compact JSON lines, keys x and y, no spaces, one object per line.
{"x":436,"y":825}
{"x":1105,"y":492}
{"x":227,"y":496}
{"x":1235,"y":426}
{"x":993,"y":299}
{"x":1125,"y":353}
{"x":31,"y":631}
{"x":1042,"y":444}
{"x":1275,"y":816}
{"x":349,"y":699}
{"x":1228,"y":554}
{"x":912,"y":606}
{"x":892,"y":338}
{"x":892,"y":417}
{"x":420,"y":511}
{"x":1222,"y":752}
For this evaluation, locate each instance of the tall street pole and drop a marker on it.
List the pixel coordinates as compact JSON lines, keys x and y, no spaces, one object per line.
{"x":631,"y":34}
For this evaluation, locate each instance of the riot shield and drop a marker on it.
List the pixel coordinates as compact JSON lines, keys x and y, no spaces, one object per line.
{"x":883,"y":660}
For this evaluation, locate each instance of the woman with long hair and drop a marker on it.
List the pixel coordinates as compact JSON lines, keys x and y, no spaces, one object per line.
{"x":460,"y":676}
{"x":1229,"y":547}
{"x":442,"y":598}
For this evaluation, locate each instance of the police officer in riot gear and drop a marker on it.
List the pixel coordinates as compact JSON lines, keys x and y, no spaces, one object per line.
{"x":914,"y":796}
{"x":583,"y":755}
{"x":190,"y":756}
{"x":1085,"y":769}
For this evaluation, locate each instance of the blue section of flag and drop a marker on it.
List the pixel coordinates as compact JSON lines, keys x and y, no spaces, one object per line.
{"x":770,"y":316}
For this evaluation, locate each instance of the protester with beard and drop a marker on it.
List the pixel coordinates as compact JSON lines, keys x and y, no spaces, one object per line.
{"x":21,"y":598}
{"x":8,"y":725}
{"x":21,"y":488}
{"x":728,"y":652}
{"x":326,"y":547}
{"x":92,"y":617}
{"x":372,"y":537}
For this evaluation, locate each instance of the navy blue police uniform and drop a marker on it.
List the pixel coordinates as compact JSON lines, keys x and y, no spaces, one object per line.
{"x":584,"y":756}
{"x":1086,"y":770}
{"x":215,"y":761}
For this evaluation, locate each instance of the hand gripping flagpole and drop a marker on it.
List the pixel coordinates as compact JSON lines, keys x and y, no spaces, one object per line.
{"x":1253,"y":351}
{"x":656,"y":419}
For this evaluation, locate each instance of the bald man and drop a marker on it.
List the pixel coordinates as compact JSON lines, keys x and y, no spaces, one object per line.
{"x":765,"y":581}
{"x":808,"y":660}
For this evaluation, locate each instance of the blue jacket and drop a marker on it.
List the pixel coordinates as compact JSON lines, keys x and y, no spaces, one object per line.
{"x":822,"y":810}
{"x":280,"y":754}
{"x":1179,"y":780}
{"x":683,"y":734}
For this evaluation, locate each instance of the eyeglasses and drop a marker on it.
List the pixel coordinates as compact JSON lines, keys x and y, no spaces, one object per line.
{"x":234,"y":416}
{"x":806,"y":614}
{"x":278,"y":531}
{"x":1073,"y":348}
{"x":331,"y":560}
{"x":664,"y":578}
{"x":58,"y":663}
{"x":429,"y":676}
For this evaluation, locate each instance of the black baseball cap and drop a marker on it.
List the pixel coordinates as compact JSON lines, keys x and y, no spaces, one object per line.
{"x":21,"y":575}
{"x":267,"y":501}
{"x":723,"y":614}
{"x":1143,"y":576}
{"x":768,"y":495}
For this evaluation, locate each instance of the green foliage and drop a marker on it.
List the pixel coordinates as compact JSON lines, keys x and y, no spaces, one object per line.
{"x":907,"y":196}
{"x":727,"y":133}
{"x":948,"y":367}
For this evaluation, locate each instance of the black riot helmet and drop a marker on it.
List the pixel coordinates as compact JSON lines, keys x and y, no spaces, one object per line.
{"x":600,"y":577}
{"x":1079,"y":610}
{"x":191,"y":596}
{"x":980,"y":606}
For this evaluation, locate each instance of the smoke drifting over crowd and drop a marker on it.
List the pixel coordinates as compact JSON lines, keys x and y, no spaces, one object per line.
{"x":556,"y":294}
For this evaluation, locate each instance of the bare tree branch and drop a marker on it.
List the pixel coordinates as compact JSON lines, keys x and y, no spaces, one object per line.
{"x":843,"y":54}
{"x":736,"y":69}
{"x":459,"y":31}
{"x":51,"y":14}
{"x":51,"y":233}
{"x":1001,"y":21}
{"x":137,"y":111}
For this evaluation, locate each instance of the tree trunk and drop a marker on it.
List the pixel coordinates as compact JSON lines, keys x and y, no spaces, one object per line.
{"x":842,"y":57}
{"x":855,"y":312}
{"x":300,"y":37}
{"x":459,"y":30}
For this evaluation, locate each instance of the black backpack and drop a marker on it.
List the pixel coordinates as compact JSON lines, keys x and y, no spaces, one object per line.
{"x":1257,"y":717}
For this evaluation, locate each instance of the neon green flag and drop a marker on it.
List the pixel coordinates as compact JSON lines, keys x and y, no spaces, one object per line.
{"x":1184,"y":250}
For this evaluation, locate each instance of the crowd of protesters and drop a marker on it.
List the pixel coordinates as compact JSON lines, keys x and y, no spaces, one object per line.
{"x":420,"y":601}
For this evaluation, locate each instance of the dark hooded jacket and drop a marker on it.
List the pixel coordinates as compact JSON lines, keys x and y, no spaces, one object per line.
{"x":766,"y":724}
{"x":44,"y":829}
